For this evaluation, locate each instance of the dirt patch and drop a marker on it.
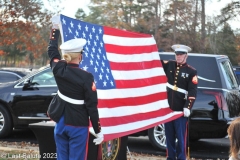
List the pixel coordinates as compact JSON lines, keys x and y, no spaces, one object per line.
{"x":30,"y":151}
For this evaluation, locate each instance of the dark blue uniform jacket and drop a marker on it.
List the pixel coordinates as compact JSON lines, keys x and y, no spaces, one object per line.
{"x":74,"y":83}
{"x":181,"y":76}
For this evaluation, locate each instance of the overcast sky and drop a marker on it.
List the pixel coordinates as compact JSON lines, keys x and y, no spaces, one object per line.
{"x":212,"y":8}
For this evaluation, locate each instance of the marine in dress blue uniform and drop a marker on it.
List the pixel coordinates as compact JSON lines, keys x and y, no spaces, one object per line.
{"x":181,"y":91}
{"x":76,"y":100}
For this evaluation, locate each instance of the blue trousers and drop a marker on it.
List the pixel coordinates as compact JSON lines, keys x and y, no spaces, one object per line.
{"x":176,"y":129}
{"x":71,"y":141}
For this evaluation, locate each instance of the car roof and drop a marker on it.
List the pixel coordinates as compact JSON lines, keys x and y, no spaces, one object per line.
{"x":20,"y":74}
{"x":197,"y":54}
{"x":20,"y":71}
{"x":236,"y":68}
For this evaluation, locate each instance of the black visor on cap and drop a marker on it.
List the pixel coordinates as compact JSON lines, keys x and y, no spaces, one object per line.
{"x":179,"y":52}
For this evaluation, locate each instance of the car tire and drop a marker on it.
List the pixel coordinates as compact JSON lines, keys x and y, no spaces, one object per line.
{"x":6,"y":126}
{"x":157,"y":137}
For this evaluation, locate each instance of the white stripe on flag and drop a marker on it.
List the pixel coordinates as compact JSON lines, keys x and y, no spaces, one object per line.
{"x":112,"y":57}
{"x":127,"y":41}
{"x":137,"y":74}
{"x":131,"y":110}
{"x":129,"y":92}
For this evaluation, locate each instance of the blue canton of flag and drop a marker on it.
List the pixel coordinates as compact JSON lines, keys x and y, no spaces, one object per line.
{"x":94,"y":56}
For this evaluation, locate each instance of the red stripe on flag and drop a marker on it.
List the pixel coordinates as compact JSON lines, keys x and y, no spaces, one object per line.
{"x":110,"y":48}
{"x":135,"y":65}
{"x":123,"y":33}
{"x":111,"y":136}
{"x":131,"y":101}
{"x":136,"y":83}
{"x":113,"y":121}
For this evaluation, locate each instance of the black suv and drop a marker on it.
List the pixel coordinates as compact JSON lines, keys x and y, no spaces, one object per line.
{"x":217,"y":104}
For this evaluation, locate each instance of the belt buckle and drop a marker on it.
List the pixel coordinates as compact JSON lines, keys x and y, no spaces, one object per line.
{"x":175,"y":88}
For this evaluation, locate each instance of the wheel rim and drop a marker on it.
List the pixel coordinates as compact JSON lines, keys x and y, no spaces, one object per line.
{"x":2,"y":121}
{"x":159,"y":135}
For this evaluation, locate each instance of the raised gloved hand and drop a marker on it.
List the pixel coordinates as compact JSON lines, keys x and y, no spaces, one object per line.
{"x":186,"y":112}
{"x":99,"y":138}
{"x":56,"y":21}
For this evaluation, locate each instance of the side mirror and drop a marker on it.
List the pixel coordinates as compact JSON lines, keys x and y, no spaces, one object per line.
{"x":26,"y":83}
{"x":29,"y":85}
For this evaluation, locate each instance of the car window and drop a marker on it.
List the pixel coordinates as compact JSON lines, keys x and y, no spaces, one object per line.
{"x":229,"y":75}
{"x":39,"y":78}
{"x":211,"y":78}
{"x":31,"y":74}
{"x":44,"y":78}
{"x":238,"y":76}
{"x":8,"y":77}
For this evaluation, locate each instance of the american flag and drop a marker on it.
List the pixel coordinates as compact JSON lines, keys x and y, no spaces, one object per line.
{"x":130,"y":81}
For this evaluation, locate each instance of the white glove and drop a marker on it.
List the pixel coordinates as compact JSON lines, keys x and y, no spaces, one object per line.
{"x":186,"y":112}
{"x":99,"y":138}
{"x":56,"y":21}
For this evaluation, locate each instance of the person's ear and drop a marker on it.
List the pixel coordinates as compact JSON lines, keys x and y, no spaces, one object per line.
{"x":80,"y":57}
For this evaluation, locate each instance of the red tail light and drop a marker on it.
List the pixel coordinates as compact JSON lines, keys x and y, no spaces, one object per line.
{"x":222,"y":104}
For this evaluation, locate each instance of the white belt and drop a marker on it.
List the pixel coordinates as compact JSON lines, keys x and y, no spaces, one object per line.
{"x":175,"y":88}
{"x":70,"y":100}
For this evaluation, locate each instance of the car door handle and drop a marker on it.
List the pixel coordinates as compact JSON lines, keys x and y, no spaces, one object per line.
{"x":53,"y":94}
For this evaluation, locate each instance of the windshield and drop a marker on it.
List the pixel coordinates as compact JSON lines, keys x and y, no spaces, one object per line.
{"x":229,"y":75}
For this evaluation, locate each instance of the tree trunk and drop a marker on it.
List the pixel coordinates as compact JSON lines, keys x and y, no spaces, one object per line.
{"x":203,"y":16}
{"x":194,"y":43}
{"x":175,"y":21}
{"x":157,"y":20}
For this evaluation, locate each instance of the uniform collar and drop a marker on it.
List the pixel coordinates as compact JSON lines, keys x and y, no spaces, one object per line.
{"x":73,"y":65}
{"x":181,"y":65}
